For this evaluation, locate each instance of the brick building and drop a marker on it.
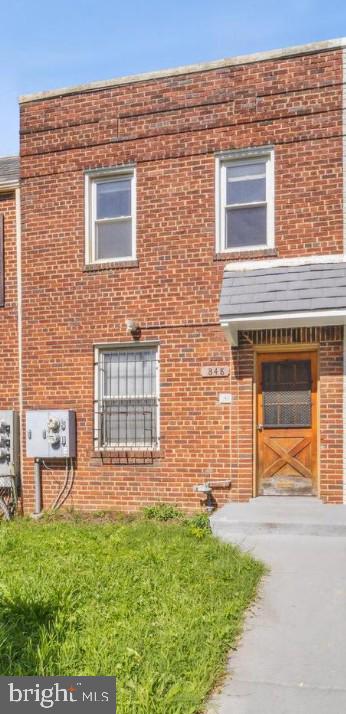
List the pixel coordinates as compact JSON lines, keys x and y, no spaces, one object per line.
{"x":9,"y":246}
{"x":183,"y":280}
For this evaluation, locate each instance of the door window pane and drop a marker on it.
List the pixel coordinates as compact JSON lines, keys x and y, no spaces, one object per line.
{"x":286,"y":391}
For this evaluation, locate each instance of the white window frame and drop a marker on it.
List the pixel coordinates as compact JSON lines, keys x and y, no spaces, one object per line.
{"x":92,"y":179}
{"x":235,"y":158}
{"x":121,"y":347}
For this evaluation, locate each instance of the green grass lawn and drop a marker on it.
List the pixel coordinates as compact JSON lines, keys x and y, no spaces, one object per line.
{"x":156,"y":604}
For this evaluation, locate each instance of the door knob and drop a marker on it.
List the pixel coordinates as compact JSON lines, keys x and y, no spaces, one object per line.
{"x":259,"y":427}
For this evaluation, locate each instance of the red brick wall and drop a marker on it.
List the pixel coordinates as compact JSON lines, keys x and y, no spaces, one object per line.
{"x":194,"y":426}
{"x":242,"y":422}
{"x":171,"y":128}
{"x":9,"y":374}
{"x":331,"y":421}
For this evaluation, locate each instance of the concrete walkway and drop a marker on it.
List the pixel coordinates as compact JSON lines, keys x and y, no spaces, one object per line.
{"x":292,"y":657}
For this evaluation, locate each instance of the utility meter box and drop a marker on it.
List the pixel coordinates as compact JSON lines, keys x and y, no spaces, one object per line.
{"x":51,"y":434}
{"x":9,"y":443}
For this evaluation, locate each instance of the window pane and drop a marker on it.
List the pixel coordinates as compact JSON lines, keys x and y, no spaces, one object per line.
{"x":131,"y":373}
{"x":246,"y":169}
{"x":113,"y":198}
{"x":246,"y":227}
{"x":246,"y":191}
{"x":129,"y":423}
{"x":128,"y":402}
{"x":113,"y":240}
{"x":287,"y":393}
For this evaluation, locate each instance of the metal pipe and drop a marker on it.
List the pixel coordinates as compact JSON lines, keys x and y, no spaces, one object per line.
{"x":20,"y":340}
{"x":38,"y":488}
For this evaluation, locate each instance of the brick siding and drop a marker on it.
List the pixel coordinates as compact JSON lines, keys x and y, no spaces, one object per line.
{"x":171,"y":128}
{"x":9,"y":375}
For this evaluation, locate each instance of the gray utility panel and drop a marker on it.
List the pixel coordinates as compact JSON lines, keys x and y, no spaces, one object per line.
{"x":9,"y":443}
{"x":51,"y":434}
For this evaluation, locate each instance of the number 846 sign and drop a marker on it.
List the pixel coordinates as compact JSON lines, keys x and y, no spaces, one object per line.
{"x":214,"y":371}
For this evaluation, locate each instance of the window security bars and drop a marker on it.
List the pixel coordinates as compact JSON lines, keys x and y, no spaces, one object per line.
{"x":126,"y":408}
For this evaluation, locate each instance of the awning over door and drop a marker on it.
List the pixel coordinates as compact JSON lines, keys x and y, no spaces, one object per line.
{"x":283,"y":293}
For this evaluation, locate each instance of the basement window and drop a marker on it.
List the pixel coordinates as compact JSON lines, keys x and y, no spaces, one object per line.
{"x":245,"y":200}
{"x":110,"y":216}
{"x":126,"y":398}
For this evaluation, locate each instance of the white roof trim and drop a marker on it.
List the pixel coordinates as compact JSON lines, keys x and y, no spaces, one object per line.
{"x":283,"y":53}
{"x":312,"y":318}
{"x":8,"y":185}
{"x":261,"y":264}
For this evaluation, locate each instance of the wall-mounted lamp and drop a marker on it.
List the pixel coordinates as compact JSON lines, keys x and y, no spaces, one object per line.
{"x":133,"y":328}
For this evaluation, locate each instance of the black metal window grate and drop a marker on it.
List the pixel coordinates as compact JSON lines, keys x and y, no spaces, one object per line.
{"x":286,"y":390}
{"x":127,"y":405}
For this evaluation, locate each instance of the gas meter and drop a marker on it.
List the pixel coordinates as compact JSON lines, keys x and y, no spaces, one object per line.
{"x":9,"y":443}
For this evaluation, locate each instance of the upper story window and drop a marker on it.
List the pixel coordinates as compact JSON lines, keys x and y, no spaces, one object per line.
{"x":110,"y":216}
{"x":245,"y":200}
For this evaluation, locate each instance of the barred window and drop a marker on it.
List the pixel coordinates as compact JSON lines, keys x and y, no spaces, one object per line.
{"x":126,"y":407}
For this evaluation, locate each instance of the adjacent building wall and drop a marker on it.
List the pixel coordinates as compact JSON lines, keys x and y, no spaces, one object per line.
{"x":9,"y":374}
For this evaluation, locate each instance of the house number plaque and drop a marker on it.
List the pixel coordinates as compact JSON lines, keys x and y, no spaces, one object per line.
{"x":215,"y":371}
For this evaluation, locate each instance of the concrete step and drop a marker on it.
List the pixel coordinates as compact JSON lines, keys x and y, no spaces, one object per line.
{"x":280,"y":515}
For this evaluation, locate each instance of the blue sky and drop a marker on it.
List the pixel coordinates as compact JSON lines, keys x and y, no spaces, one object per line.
{"x":47,"y":43}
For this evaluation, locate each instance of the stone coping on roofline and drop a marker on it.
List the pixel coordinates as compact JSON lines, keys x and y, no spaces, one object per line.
{"x":283,"y":53}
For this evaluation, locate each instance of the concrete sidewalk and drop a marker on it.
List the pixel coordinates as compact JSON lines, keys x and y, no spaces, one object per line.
{"x":292,"y":657}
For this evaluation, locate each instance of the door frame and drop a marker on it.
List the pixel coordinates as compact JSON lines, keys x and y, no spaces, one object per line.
{"x":277,"y":349}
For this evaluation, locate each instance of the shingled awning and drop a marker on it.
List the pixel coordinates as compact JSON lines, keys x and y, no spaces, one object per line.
{"x":9,"y":171}
{"x":269,"y":294}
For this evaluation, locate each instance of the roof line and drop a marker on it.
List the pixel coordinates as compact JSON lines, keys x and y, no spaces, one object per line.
{"x":8,"y":185}
{"x":319,"y":259}
{"x":311,"y":48}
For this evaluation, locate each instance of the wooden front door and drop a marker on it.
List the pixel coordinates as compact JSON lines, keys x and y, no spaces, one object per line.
{"x":287,"y":424}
